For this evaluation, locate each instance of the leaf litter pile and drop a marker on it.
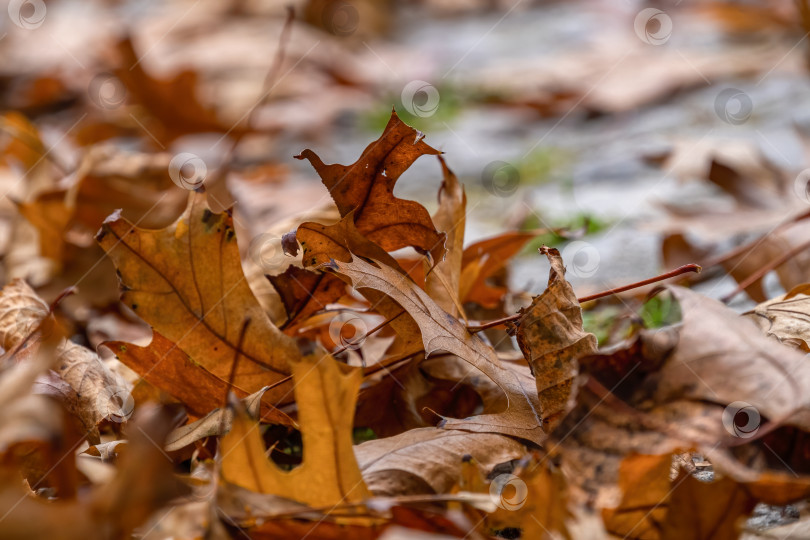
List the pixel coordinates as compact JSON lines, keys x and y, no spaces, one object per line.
{"x":362,"y":371}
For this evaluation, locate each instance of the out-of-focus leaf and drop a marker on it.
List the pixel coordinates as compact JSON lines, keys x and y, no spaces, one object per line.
{"x":483,"y":259}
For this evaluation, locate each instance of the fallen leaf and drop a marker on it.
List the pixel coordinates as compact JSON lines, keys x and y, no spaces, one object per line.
{"x":443,"y":282}
{"x":443,"y":332}
{"x":367,"y":188}
{"x":172,"y":102}
{"x":164,"y":365}
{"x":326,"y":393}
{"x":429,"y":460}
{"x":786,"y":317}
{"x":187,"y":282}
{"x":481,"y":260}
{"x":304,"y":293}
{"x":550,"y":335}
{"x":216,"y":423}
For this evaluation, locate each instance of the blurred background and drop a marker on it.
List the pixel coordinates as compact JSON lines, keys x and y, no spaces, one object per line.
{"x":662,"y":133}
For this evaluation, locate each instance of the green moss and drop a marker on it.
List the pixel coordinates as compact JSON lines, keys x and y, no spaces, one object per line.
{"x":363,"y":434}
{"x":593,"y":225}
{"x":451,"y":101}
{"x":660,"y":310}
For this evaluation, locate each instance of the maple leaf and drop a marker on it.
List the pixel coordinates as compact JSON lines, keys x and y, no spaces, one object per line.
{"x":366,"y":188}
{"x":186,"y":281}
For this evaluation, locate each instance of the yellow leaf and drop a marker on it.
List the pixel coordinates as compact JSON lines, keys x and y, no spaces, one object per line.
{"x":326,"y":393}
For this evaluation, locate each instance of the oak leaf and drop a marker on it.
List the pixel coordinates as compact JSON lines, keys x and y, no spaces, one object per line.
{"x":429,"y":460}
{"x":367,"y":188}
{"x":481,"y":260}
{"x":304,"y":293}
{"x":326,"y":393}
{"x":442,"y":331}
{"x":172,"y":102}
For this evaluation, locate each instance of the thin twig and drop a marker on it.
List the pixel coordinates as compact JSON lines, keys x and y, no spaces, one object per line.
{"x":671,"y":274}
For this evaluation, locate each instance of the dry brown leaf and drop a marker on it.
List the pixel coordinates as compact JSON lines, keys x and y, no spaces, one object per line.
{"x":443,"y":332}
{"x":326,"y":393}
{"x":187,"y":282}
{"x":144,"y":483}
{"x":723,"y":358}
{"x":173,"y":102}
{"x":550,"y":335}
{"x":21,"y":311}
{"x":216,"y":423}
{"x":367,"y":188}
{"x":338,"y":241}
{"x":442,"y":283}
{"x":94,"y":392}
{"x":533,"y":498}
{"x":168,"y":368}
{"x":645,"y":488}
{"x":786,"y":317}
{"x":429,"y":460}
{"x":481,"y":260}
{"x":304,"y":293}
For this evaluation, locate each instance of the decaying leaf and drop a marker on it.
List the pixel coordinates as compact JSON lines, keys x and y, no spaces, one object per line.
{"x":367,"y":188}
{"x":429,"y":460}
{"x":326,"y":393}
{"x":443,"y":332}
{"x":187,"y":282}
{"x":786,"y":317}
{"x":216,"y":423}
{"x":550,"y":334}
